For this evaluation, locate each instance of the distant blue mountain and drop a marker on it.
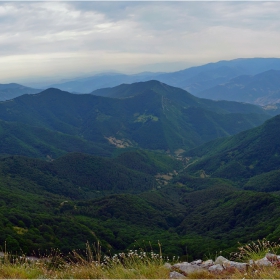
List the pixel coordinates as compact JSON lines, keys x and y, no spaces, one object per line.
{"x":194,"y":79}
{"x":261,"y":89}
{"x":10,"y":91}
{"x":87,"y":85}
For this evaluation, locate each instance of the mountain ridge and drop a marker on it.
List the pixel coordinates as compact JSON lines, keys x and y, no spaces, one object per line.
{"x":260,"y":89}
{"x":242,"y":156}
{"x":134,"y":193}
{"x":13,"y":90}
{"x":161,"y":117}
{"x":193,"y":79}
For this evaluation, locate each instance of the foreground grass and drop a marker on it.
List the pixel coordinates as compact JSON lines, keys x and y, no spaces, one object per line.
{"x":83,"y":272}
{"x":130,"y":265}
{"x":118,"y":271}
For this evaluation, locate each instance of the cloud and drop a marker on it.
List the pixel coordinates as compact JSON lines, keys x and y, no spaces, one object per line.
{"x":63,"y":38}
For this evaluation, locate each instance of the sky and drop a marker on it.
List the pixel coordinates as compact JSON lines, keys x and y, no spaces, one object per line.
{"x":51,"y":41}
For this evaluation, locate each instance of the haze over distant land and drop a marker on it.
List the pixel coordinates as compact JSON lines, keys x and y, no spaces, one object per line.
{"x":47,"y":42}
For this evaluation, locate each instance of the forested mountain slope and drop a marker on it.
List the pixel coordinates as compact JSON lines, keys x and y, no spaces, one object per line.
{"x":43,"y":208}
{"x":243,"y":156}
{"x":160,"y":117}
{"x":134,"y":194}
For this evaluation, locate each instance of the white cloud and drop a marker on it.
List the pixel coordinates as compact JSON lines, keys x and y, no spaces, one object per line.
{"x":63,"y":38}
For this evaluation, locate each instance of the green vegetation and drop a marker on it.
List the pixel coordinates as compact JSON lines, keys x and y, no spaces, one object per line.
{"x":265,"y":182}
{"x":250,"y":158}
{"x":256,"y":250}
{"x":22,"y":139}
{"x":156,"y":117}
{"x":61,"y":204}
{"x":131,"y":264}
{"x":196,"y":203}
{"x":144,"y":118}
{"x":93,"y":264}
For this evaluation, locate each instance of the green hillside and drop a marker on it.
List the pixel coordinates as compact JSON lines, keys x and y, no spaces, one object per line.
{"x":178,"y":95}
{"x":243,"y":156}
{"x":137,"y":184}
{"x":81,"y":176}
{"x":38,"y":198}
{"x":187,"y":222}
{"x":22,"y":139}
{"x":160,"y":117}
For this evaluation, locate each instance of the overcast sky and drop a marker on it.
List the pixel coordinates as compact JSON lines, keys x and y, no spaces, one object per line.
{"x":71,"y":39}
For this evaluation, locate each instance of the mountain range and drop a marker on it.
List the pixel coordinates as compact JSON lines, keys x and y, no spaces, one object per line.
{"x":253,"y":80}
{"x":10,"y":91}
{"x":193,"y":79}
{"x":246,"y":158}
{"x":154,"y":116}
{"x":261,"y":89}
{"x":141,"y":161}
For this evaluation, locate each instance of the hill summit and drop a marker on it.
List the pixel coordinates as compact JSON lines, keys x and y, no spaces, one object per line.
{"x":150,"y":115}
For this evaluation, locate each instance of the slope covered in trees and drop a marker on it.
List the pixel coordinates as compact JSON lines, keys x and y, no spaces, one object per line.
{"x":243,"y":156}
{"x":186,"y":222}
{"x":206,"y":200}
{"x":158,"y":117}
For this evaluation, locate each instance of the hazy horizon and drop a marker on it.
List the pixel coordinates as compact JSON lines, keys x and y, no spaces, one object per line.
{"x":47,"y":42}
